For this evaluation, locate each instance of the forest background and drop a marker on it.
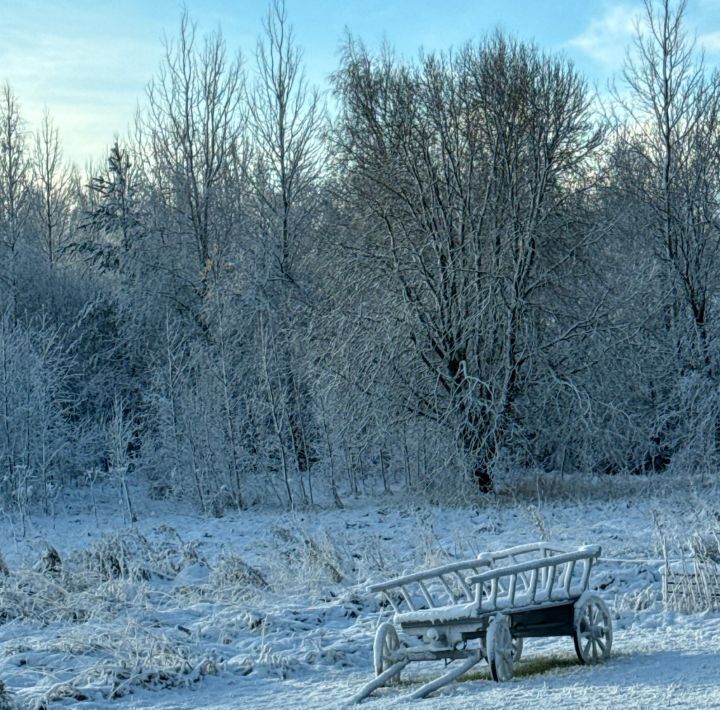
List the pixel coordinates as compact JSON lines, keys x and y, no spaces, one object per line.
{"x":431,"y":272}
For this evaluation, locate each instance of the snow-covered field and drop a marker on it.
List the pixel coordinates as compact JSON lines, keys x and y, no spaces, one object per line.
{"x":270,"y":609}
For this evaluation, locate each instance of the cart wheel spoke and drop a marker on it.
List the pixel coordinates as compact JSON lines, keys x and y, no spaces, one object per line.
{"x":385,"y":650}
{"x":593,"y":629}
{"x":517,"y":649}
{"x":499,"y":648}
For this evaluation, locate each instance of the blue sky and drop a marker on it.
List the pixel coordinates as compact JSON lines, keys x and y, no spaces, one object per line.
{"x":89,"y":60}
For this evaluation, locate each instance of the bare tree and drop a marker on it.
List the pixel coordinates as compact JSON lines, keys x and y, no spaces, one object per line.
{"x":285,"y":121}
{"x":120,"y":437}
{"x":190,"y":132}
{"x":668,"y":167}
{"x":53,"y":182}
{"x":36,"y":435}
{"x":14,"y":186}
{"x":468,"y":169}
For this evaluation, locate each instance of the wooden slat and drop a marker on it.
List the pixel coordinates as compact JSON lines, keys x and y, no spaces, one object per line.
{"x":464,"y":585}
{"x":408,"y":599}
{"x":449,"y":591}
{"x":426,"y":594}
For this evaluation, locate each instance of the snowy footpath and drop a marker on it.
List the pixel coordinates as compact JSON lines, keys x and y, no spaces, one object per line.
{"x":270,"y":609}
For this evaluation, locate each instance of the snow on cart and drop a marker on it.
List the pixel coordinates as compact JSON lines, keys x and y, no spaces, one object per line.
{"x":483,"y":608}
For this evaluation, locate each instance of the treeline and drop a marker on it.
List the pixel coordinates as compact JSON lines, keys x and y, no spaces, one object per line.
{"x":467,"y":264}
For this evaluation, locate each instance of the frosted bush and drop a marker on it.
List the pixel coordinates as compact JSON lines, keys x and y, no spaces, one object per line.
{"x":305,"y":557}
{"x":232,"y":575}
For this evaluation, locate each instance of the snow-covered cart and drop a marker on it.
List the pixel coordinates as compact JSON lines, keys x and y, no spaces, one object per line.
{"x":484,"y":608}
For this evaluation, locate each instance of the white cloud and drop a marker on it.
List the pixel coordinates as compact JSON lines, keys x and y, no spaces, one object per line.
{"x":606,"y":38}
{"x":87,"y":69}
{"x":710,"y":42}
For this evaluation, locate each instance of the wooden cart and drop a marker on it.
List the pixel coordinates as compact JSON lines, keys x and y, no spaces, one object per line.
{"x":483,"y":609}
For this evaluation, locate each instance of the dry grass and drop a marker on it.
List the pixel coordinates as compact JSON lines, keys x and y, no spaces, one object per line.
{"x":232,"y":577}
{"x":693,"y":584}
{"x":6,"y":701}
{"x":305,"y":558}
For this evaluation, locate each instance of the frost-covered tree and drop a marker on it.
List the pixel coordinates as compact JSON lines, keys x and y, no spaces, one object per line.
{"x":15,"y":194}
{"x":665,"y":176}
{"x":284,"y":120}
{"x":113,"y":218}
{"x":37,"y":436}
{"x":466,"y":170}
{"x":189,"y":141}
{"x":53,"y":186}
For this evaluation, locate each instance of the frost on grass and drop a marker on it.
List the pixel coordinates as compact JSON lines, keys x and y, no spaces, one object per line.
{"x":109,"y":661}
{"x":6,"y":702}
{"x":262,"y":599}
{"x":235,"y":577}
{"x":308,"y":558}
{"x":50,"y":563}
{"x":692,"y":583}
{"x":114,"y":620}
{"x":137,"y":611}
{"x":129,"y":555}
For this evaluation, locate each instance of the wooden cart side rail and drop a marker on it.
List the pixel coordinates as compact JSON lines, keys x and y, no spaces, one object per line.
{"x":519,"y":554}
{"x":485,"y":559}
{"x":583,"y":553}
{"x":438,"y":572}
{"x":542,"y":572}
{"x":432,"y":589}
{"x":542,"y":547}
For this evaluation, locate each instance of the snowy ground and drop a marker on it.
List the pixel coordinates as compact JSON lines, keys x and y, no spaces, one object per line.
{"x":268,"y":609}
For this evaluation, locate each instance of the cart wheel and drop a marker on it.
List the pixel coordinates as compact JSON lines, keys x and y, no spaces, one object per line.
{"x":385,"y":649}
{"x":499,"y":646}
{"x":593,"y":629}
{"x":517,"y":649}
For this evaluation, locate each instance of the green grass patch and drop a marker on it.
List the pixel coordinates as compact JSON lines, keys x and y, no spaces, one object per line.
{"x":528,"y":667}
